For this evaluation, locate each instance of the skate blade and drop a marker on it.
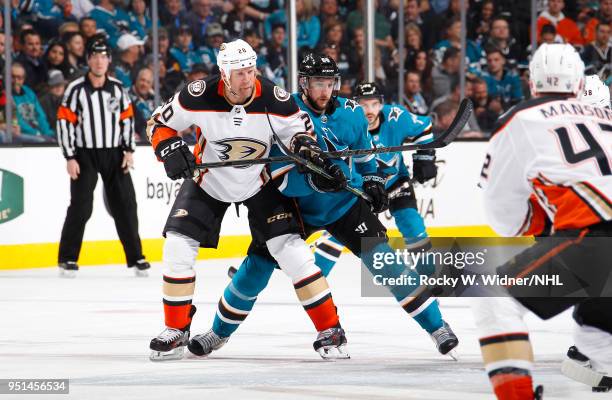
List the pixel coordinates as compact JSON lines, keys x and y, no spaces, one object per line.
{"x":577,"y":372}
{"x":67,"y":274}
{"x":453,"y":354}
{"x":191,"y":356}
{"x":333,"y":353}
{"x":141,"y":273}
{"x":174,"y":354}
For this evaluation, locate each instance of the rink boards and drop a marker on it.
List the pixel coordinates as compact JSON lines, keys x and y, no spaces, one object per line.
{"x":35,"y":192}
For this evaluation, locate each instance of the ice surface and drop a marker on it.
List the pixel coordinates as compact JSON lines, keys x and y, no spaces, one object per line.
{"x":95,"y":330}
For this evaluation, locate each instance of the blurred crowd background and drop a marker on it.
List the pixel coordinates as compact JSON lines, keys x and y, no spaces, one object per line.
{"x":49,"y":39}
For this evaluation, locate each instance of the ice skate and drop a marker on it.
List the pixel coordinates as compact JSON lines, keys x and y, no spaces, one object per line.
{"x":68,"y":269}
{"x":331,"y":344}
{"x":141,"y":268}
{"x":578,"y":367}
{"x":205,"y":343}
{"x":446,"y":341}
{"x":170,"y":343}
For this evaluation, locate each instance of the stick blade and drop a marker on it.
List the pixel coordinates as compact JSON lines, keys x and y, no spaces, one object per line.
{"x":461,"y":118}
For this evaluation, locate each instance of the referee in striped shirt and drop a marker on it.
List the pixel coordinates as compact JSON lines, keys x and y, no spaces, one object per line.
{"x":95,"y":129}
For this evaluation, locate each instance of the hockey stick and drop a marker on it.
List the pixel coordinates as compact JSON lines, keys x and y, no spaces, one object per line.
{"x":442,"y":140}
{"x":312,"y":166}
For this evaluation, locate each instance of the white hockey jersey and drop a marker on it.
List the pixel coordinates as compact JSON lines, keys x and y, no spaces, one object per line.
{"x":230,"y":132}
{"x":549,"y":162}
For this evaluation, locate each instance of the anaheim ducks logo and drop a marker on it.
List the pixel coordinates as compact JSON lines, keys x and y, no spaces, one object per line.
{"x":240,"y":149}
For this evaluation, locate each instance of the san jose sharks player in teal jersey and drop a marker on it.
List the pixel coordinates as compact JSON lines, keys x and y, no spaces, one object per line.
{"x":393,"y":125}
{"x":339,"y":124}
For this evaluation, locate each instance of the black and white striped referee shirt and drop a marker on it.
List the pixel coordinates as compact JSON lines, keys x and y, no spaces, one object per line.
{"x":95,"y":118}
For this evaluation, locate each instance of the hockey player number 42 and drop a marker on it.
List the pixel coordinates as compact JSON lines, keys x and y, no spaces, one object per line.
{"x":594,"y":149}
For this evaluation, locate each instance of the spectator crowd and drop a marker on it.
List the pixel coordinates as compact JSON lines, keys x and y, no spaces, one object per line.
{"x":49,"y":40}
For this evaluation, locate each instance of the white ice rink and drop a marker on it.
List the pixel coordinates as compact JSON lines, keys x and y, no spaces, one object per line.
{"x":95,"y":331}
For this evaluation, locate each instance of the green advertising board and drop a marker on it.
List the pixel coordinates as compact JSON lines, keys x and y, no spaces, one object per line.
{"x":11,"y":196}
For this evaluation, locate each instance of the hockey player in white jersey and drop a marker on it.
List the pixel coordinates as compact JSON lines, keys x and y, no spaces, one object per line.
{"x":595,"y":93}
{"x":577,"y":365}
{"x":233,"y":113}
{"x":546,"y":172}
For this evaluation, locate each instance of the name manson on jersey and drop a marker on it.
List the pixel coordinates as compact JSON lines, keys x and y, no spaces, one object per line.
{"x":555,"y":110}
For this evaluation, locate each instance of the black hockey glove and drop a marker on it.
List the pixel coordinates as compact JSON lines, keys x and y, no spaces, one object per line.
{"x":329,"y":185}
{"x":374,"y":186}
{"x":424,"y":165}
{"x":179,"y":162}
{"x":307,"y":147}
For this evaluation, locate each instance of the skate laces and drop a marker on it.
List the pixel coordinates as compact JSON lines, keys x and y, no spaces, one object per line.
{"x":327,"y":332}
{"x":170,"y":334}
{"x":443,"y":334}
{"x":208,"y":340}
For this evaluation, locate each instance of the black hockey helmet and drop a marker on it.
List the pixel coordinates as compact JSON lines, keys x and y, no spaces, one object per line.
{"x":369,"y":90}
{"x":315,"y":65}
{"x":319,"y":66}
{"x":98,"y":44}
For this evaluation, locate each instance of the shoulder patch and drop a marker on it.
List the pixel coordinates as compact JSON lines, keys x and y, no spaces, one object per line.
{"x":196,"y":88}
{"x":395,"y":114}
{"x":352,"y":104}
{"x":281,"y":94}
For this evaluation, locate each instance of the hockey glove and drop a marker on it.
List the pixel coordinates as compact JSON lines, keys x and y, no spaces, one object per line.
{"x":178,"y":161}
{"x":328,"y":185}
{"x":374,"y":186}
{"x":307,"y":147}
{"x":424,"y":165}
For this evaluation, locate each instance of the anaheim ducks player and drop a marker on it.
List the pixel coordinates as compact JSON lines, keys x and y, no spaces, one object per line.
{"x":546,"y":172}
{"x":595,"y":93}
{"x":577,"y":365}
{"x":230,"y":112}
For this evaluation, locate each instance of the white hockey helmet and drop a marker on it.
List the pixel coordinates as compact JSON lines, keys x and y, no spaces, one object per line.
{"x":235,"y":55}
{"x":595,"y":93}
{"x":556,"y":68}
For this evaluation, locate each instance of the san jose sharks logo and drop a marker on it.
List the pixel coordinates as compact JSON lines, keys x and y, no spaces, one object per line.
{"x":331,"y":141}
{"x":352,"y":104}
{"x":240,"y":149}
{"x":395,"y":113}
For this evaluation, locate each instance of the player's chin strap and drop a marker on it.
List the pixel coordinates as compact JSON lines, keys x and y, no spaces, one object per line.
{"x":228,"y":86}
{"x":312,"y":166}
{"x":440,"y":140}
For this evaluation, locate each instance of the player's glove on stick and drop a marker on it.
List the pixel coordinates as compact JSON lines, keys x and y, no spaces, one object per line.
{"x":178,"y":161}
{"x":307,"y":147}
{"x":374,"y":186}
{"x":329,"y":185}
{"x":424,"y":165}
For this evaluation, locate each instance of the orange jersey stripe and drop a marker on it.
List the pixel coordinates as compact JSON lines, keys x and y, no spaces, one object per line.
{"x":127,"y":113}
{"x":67,"y":114}
{"x":572,"y":211}
{"x":535,"y":222}
{"x":160,"y":134}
